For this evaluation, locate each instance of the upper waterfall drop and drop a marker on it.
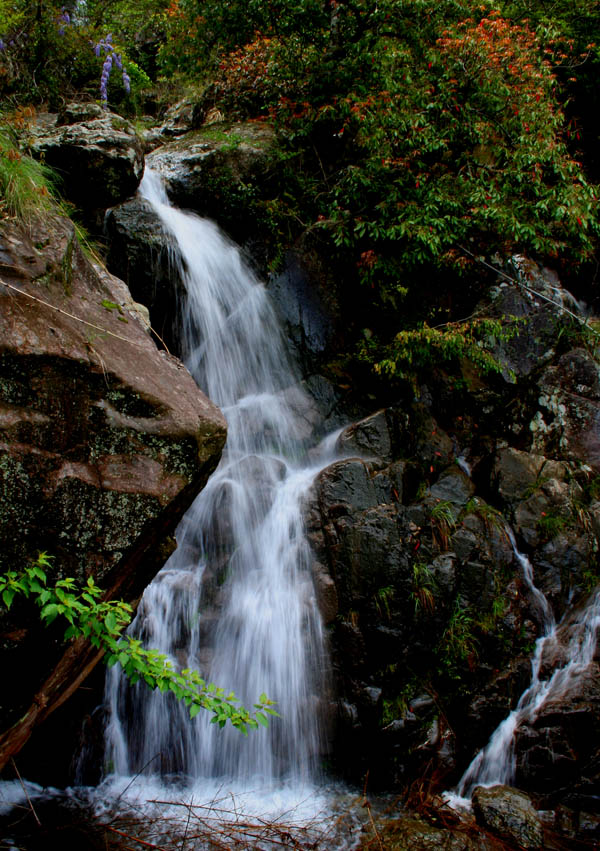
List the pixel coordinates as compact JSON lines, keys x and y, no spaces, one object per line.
{"x":236,"y":599}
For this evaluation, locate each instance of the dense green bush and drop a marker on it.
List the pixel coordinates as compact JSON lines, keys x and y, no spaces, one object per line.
{"x":414,"y":135}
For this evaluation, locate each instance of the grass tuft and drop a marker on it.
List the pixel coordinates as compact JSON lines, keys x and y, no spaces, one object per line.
{"x":26,"y":186}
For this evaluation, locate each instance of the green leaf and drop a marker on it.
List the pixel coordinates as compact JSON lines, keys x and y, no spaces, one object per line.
{"x":8,"y":596}
{"x":49,"y":612}
{"x":194,"y":709}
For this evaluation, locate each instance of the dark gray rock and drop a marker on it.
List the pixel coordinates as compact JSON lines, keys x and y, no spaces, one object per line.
{"x":508,"y":813}
{"x":368,"y":438}
{"x":558,"y":757}
{"x":99,"y":157}
{"x":536,"y":296}
{"x":453,"y":486}
{"x":517,"y":473}
{"x":303,"y":312}
{"x":141,"y":254}
{"x":568,"y":418}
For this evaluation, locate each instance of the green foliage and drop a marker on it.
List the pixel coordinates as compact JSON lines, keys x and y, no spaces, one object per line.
{"x":138,"y":27}
{"x":383,"y":598}
{"x":491,"y":517}
{"x":201,"y":32}
{"x":458,"y":644}
{"x":443,"y":131}
{"x":43,"y":60}
{"x":420,"y":348}
{"x":443,"y":523}
{"x":25,"y":184}
{"x":591,"y":580}
{"x":423,"y":588}
{"x":102,"y":623}
{"x":550,"y":525}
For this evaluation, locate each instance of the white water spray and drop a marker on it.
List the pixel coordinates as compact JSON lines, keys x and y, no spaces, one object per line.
{"x":236,"y":599}
{"x":496,"y":763}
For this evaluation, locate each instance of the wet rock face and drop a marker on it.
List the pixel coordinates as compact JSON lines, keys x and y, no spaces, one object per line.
{"x":431,"y":597}
{"x":104,"y":442}
{"x":558,"y":753}
{"x":403,"y":554}
{"x":509,"y":814}
{"x":140,"y":253}
{"x":97,"y":154}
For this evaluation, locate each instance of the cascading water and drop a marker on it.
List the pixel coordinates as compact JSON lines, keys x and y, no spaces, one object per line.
{"x":236,"y":599}
{"x":496,"y":763}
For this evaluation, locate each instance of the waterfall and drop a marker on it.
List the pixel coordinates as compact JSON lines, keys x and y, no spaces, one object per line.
{"x":236,"y":599}
{"x":496,"y":762}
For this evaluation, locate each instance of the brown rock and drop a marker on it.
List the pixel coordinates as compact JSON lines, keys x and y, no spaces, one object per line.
{"x":104,"y":442}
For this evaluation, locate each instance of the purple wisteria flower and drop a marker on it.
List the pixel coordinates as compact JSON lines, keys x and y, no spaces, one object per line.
{"x":112,"y":58}
{"x":64,"y":19}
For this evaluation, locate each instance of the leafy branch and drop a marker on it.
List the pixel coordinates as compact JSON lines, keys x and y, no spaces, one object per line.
{"x":102,"y":623}
{"x":473,"y":339}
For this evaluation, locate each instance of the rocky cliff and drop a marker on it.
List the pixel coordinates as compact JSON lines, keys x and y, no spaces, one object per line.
{"x":418,"y":531}
{"x":105,"y":441}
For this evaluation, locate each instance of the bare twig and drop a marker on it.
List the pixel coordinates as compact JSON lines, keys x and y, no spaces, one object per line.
{"x":135,"y":839}
{"x":14,"y":764}
{"x":187,"y":824}
{"x":366,"y":803}
{"x":135,"y":777}
{"x":529,"y":289}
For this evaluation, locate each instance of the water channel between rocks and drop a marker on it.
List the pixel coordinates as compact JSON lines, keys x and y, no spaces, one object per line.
{"x":496,"y":762}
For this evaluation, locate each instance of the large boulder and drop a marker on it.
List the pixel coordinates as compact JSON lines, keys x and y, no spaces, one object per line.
{"x":140,"y":252}
{"x":104,"y":442}
{"x":509,"y":814}
{"x":98,"y":155}
{"x":220,"y":171}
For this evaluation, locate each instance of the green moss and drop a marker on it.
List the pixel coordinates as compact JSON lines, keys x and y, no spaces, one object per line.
{"x":131,"y":404}
{"x":120,"y":124}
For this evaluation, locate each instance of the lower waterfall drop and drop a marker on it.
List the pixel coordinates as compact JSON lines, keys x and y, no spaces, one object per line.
{"x":236,"y":599}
